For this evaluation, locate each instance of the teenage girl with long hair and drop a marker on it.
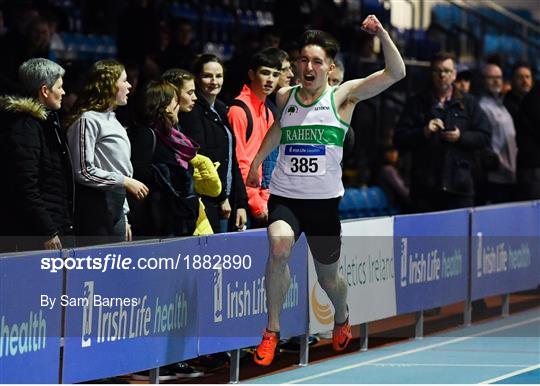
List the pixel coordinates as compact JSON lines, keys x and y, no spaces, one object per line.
{"x":162,"y":158}
{"x":100,"y":151}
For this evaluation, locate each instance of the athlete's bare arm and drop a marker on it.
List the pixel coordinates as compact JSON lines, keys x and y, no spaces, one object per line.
{"x":271,"y":140}
{"x":350,"y":93}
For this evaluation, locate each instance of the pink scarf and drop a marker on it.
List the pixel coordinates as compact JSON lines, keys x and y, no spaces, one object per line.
{"x":184,"y":147}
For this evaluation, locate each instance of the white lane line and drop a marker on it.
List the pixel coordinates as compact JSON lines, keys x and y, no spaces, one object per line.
{"x":484,"y":351}
{"x":413,"y":351}
{"x":510,"y":375}
{"x":446,"y":365}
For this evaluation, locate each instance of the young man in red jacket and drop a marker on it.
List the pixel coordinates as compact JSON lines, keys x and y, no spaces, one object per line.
{"x":250,"y":119}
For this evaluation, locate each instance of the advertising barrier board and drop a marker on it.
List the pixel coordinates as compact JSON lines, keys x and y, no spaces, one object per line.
{"x":134,"y":311}
{"x":504,"y":249}
{"x":29,"y":329}
{"x":432,"y":259}
{"x":232,"y":294}
{"x":367,"y":265}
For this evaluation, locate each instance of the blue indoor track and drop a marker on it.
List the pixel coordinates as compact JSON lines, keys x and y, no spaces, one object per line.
{"x":506,"y":350}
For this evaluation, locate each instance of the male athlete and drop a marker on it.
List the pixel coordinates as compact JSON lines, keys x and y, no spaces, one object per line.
{"x":306,"y":186}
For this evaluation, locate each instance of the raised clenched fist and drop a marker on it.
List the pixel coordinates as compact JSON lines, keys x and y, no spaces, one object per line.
{"x":372,"y":25}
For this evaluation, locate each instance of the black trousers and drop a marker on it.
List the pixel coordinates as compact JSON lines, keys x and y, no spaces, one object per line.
{"x":99,"y":215}
{"x":499,"y":193}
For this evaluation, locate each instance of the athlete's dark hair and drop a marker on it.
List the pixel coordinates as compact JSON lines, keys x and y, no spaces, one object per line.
{"x":320,"y":38}
{"x":268,"y":57}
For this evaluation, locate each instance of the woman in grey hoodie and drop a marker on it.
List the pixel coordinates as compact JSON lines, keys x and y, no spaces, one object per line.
{"x":100,"y":151}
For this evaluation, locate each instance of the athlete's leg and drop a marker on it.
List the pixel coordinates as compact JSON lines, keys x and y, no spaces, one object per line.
{"x":323,"y":231}
{"x":324,"y":238}
{"x":284,"y":228}
{"x":335,"y":287}
{"x":278,"y":276}
{"x":278,"y":279}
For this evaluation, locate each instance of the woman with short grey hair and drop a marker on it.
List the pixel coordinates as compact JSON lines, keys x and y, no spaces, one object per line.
{"x":36,"y":204}
{"x":38,"y":72}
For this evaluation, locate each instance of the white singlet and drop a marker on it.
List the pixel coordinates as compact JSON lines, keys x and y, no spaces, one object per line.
{"x":310,"y":150}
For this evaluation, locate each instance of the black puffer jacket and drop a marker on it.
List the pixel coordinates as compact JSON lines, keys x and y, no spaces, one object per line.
{"x":36,"y":198}
{"x":206,"y":128}
{"x":439,"y":165}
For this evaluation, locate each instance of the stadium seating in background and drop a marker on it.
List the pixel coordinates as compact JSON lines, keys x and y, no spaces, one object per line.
{"x":365,"y":202}
{"x":497,"y":33}
{"x":87,"y":47}
{"x":184,"y":11}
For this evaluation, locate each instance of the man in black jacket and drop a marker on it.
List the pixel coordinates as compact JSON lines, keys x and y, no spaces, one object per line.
{"x":36,"y":201}
{"x":522,"y":83}
{"x":442,"y":127}
{"x":528,"y":142}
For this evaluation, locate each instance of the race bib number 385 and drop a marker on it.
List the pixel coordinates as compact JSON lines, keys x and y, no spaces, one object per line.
{"x":305,"y":160}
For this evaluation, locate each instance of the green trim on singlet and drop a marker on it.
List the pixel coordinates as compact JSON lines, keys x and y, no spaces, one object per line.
{"x":335,"y":110}
{"x":287,"y":102}
{"x":313,"y":103}
{"x":312,"y":134}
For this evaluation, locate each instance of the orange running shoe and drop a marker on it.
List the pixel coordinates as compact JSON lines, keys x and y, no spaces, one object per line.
{"x":341,"y":336}
{"x":264,"y":354}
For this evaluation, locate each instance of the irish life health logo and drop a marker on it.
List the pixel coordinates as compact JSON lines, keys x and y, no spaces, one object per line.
{"x":86,"y":340}
{"x":218,"y":295}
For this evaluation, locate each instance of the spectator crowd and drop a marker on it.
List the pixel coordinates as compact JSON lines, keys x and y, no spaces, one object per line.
{"x":83,"y":161}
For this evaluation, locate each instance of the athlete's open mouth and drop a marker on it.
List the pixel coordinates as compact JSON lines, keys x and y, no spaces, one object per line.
{"x":309,"y":78}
